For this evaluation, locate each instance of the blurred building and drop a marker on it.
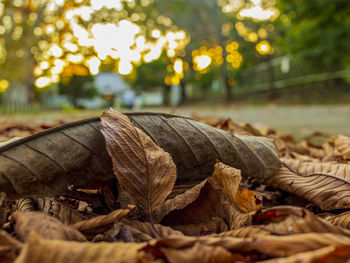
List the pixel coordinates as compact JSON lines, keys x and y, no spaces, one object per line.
{"x":113,"y":90}
{"x":110,"y":83}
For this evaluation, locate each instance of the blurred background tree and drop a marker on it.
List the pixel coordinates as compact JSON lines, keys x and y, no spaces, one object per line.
{"x":204,"y":47}
{"x":315,"y":32}
{"x":76,"y":83}
{"x":31,"y":34}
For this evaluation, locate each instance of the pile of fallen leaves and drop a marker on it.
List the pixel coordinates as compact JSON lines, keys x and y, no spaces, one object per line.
{"x":11,"y":130}
{"x":298,"y":213}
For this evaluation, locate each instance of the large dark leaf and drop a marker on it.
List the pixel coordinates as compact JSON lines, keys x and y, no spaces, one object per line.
{"x":74,"y":155}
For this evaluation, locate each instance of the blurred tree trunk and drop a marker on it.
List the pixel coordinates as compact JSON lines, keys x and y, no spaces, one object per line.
{"x":271,"y":79}
{"x":228,"y":89}
{"x":183,"y":97}
{"x":166,"y":95}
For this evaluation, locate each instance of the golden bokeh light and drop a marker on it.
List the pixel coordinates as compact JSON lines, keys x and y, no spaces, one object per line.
{"x":252,"y":37}
{"x":264,"y":48}
{"x":167,"y":80}
{"x":203,"y":57}
{"x":124,"y":67}
{"x":44,"y":65}
{"x":56,"y":51}
{"x":42,"y":82}
{"x":256,"y":12}
{"x":234,"y":57}
{"x":93,"y":64}
{"x":262,"y":33}
{"x":4,"y":84}
{"x":75,"y":70}
{"x":171,"y":53}
{"x":124,"y":42}
{"x":232,"y":46}
{"x":178,"y":66}
{"x":155,"y":33}
{"x":202,"y":61}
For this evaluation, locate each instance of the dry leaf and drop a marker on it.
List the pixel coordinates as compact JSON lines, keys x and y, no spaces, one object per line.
{"x":52,"y":208}
{"x":44,"y":225}
{"x":227,"y":179}
{"x":210,"y":120}
{"x":342,"y":143}
{"x":135,"y":231}
{"x":331,"y":152}
{"x":142,"y":168}
{"x":25,"y":205}
{"x":251,"y":129}
{"x":179,"y":201}
{"x":326,"y":185}
{"x":218,"y":196}
{"x":148,"y":229}
{"x":73,"y":156}
{"x":339,"y":253}
{"x":285,"y":220}
{"x":248,"y":231}
{"x":216,"y":225}
{"x":230,"y":126}
{"x":3,"y":208}
{"x":312,"y":149}
{"x":272,"y":246}
{"x":38,"y":250}
{"x":91,"y":227}
{"x":118,"y":233}
{"x":342,"y":220}
{"x":9,"y":247}
{"x":303,"y":158}
{"x":200,"y":253}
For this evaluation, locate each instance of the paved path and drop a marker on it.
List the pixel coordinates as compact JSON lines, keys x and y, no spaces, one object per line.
{"x":298,"y":120}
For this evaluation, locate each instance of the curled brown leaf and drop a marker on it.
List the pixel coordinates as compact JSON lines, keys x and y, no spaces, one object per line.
{"x":46,"y":226}
{"x":285,"y":220}
{"x":142,"y":168}
{"x":337,"y":253}
{"x":52,"y":208}
{"x":271,"y":246}
{"x":342,"y":143}
{"x":9,"y":247}
{"x":91,"y":227}
{"x":57,"y":251}
{"x":327,"y":185}
{"x":144,"y":231}
{"x":217,"y":197}
{"x":342,"y":220}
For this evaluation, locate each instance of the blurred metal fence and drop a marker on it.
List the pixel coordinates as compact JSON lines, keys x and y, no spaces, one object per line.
{"x":11,"y":108}
{"x":282,"y":72}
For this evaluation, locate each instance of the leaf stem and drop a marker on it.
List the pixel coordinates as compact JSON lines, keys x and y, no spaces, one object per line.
{"x":153,"y":226}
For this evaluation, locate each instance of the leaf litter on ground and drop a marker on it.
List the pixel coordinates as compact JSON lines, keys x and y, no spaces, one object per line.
{"x":249,"y":206}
